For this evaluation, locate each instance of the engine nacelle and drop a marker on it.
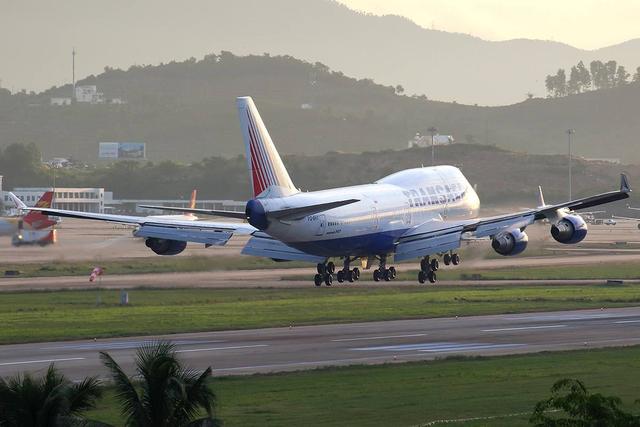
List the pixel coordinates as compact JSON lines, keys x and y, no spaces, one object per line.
{"x":164,"y":246}
{"x":509,"y":243}
{"x":570,"y":229}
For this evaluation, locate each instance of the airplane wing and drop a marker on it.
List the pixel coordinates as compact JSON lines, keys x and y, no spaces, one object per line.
{"x":17,"y":202}
{"x":439,"y":236}
{"x":207,"y":232}
{"x":263,"y":245}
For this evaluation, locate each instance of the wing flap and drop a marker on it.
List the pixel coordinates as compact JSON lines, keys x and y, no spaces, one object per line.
{"x":197,"y":235}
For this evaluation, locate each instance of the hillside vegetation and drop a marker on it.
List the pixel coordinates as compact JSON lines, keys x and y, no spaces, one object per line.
{"x":500,"y":176}
{"x":186,"y":111}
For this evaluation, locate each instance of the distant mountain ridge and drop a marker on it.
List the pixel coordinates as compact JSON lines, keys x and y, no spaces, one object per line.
{"x":391,"y":50}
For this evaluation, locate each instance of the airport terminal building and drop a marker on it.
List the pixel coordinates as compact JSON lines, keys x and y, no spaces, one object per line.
{"x":77,"y":199}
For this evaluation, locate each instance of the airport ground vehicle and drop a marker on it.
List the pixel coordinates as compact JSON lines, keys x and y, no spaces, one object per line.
{"x":423,"y":213}
{"x":34,"y":237}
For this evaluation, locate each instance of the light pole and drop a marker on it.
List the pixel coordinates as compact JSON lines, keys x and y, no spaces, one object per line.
{"x":432,"y":130}
{"x":569,"y":133}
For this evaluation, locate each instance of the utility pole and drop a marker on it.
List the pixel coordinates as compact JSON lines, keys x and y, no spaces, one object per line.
{"x":570,"y":132}
{"x":73,"y":72}
{"x":432,"y":130}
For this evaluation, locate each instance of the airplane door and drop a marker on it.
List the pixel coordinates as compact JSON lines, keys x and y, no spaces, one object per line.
{"x":322,"y":225}
{"x":374,"y":218}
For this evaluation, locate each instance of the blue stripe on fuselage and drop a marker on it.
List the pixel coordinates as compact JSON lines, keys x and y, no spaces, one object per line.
{"x":379,"y":243}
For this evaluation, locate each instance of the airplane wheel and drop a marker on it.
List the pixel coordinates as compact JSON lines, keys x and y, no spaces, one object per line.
{"x":386,"y":275}
{"x":328,"y":279}
{"x":424,"y":264}
{"x":434,"y":264}
{"x":393,"y":273}
{"x":447,"y":259}
{"x":331,"y":268}
{"x":376,"y":275}
{"x":356,"y":274}
{"x":350,"y":276}
{"x":322,"y":269}
{"x":432,"y":277}
{"x":317,"y":279}
{"x":455,"y":259}
{"x":340,"y":276}
{"x":422,"y":277}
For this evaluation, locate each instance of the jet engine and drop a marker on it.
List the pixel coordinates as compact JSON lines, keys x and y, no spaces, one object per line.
{"x":570,"y":229}
{"x":509,"y":243}
{"x":164,"y":246}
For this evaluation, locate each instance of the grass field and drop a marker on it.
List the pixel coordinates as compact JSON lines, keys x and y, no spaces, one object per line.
{"x":44,"y":316}
{"x":147,"y":265}
{"x":414,"y":394}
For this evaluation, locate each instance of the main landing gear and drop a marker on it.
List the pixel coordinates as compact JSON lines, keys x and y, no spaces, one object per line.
{"x":384,"y":273}
{"x":328,"y":269}
{"x":429,"y":266}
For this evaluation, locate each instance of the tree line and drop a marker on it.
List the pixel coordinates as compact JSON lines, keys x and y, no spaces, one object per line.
{"x":599,"y":75}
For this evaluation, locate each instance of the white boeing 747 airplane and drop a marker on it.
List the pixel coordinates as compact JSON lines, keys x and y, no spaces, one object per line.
{"x":418,"y":213}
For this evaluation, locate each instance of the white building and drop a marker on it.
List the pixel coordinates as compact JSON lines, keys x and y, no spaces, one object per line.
{"x":89,"y":94}
{"x":60,"y":101}
{"x":76,"y":199}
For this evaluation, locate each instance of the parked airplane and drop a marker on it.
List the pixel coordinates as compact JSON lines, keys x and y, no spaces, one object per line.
{"x":418,"y":213}
{"x":34,"y":228}
{"x":189,"y":216}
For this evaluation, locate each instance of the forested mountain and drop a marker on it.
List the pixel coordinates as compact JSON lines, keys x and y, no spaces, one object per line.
{"x":389,"y":49}
{"x":186,"y":111}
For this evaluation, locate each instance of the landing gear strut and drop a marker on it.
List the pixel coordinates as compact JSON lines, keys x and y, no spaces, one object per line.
{"x":384,"y":273}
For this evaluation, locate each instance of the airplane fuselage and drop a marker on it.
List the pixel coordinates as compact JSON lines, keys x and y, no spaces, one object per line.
{"x":385,"y":211}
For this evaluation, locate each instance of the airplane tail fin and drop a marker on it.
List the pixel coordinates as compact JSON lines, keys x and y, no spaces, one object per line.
{"x":37,"y":220}
{"x":192,"y":201}
{"x":269,"y":177}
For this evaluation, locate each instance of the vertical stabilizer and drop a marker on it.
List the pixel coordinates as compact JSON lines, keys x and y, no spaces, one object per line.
{"x":36,"y":219}
{"x":269,"y":177}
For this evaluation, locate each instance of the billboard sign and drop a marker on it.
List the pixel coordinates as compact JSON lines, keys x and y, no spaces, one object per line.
{"x":122,"y":150}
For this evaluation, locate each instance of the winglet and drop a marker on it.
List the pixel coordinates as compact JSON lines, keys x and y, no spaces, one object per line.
{"x":16,"y":201}
{"x":624,"y":184}
{"x":541,"y":203}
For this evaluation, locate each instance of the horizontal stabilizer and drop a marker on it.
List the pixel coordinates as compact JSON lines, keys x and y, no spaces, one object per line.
{"x":301,"y":212}
{"x":212,"y":212}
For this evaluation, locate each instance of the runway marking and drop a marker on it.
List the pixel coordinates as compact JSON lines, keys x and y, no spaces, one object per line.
{"x":438,"y":347}
{"x":121,"y":345}
{"x":627,"y":321}
{"x":26,"y":362}
{"x":524,"y":328}
{"x":193,"y":350}
{"x":379,"y":338}
{"x":316,"y":362}
{"x":569,"y":316}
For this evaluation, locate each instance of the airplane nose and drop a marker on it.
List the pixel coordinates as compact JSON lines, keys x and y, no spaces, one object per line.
{"x":256,"y":214}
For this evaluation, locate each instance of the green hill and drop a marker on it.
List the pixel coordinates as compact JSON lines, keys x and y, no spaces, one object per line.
{"x":186,"y":111}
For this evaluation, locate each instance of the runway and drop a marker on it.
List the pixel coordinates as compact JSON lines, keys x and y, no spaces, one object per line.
{"x":296,"y":348}
{"x":290,"y":277}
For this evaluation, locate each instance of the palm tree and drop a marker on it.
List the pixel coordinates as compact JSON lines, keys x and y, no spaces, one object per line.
{"x":571,"y":404}
{"x":49,"y":401}
{"x":167,"y":394}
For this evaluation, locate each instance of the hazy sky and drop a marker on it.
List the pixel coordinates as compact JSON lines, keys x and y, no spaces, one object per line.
{"x":586,"y":24}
